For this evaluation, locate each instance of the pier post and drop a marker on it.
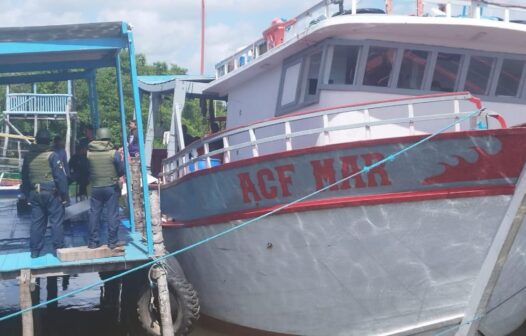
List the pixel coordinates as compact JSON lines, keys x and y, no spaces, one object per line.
{"x":136,"y":192}
{"x":26,"y":302}
{"x":52,"y":290}
{"x":159,"y":271}
{"x":495,"y":260}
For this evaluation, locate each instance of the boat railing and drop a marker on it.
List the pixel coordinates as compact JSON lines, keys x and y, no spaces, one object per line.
{"x":33,"y":103}
{"x":482,"y":9}
{"x":205,"y":153}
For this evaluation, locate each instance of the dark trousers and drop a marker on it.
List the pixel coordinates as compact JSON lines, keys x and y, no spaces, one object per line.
{"x":104,"y":197}
{"x":45,"y":206}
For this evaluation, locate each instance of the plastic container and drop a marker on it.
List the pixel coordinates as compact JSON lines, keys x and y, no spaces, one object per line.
{"x":201,"y":164}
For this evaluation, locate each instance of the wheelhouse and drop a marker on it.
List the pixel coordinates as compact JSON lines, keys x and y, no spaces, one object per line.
{"x":332,"y":56}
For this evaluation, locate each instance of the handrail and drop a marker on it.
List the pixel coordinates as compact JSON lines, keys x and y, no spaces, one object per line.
{"x":27,"y":103}
{"x":188,"y":159}
{"x":327,"y":9}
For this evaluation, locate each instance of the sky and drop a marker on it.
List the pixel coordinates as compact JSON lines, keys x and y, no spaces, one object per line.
{"x":169,"y":30}
{"x":164,"y":30}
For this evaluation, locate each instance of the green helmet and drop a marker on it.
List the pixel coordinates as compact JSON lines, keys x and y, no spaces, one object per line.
{"x":103,"y":134}
{"x":43,"y":137}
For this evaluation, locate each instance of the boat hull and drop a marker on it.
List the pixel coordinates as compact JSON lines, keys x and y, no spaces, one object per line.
{"x":372,"y":259}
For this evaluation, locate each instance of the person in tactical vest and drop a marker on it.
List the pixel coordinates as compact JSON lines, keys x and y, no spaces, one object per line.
{"x":105,"y":168}
{"x":45,"y":185}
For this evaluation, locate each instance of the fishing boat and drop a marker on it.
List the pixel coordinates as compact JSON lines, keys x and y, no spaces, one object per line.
{"x":338,"y":104}
{"x":10,"y":163}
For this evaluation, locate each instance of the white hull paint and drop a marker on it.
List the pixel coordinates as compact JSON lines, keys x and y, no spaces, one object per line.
{"x":367,"y":270}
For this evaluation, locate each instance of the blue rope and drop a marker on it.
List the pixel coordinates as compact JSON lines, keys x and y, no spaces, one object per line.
{"x":237,"y":227}
{"x":447,"y":330}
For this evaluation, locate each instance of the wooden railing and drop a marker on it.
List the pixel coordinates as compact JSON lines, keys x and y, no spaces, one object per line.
{"x":199,"y":156}
{"x":325,"y":9}
{"x":24,"y":103}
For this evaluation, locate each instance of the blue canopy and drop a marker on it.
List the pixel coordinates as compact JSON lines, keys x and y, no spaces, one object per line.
{"x":64,"y":52}
{"x":60,"y":48}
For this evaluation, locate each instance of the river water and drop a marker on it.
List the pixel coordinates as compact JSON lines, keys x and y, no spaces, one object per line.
{"x":78,"y":315}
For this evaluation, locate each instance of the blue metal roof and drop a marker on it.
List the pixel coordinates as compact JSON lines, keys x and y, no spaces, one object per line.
{"x":154,"y":80}
{"x":62,"y":47}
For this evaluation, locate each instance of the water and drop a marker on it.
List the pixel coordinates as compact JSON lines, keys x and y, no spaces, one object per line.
{"x":77,"y":315}
{"x":82,"y":314}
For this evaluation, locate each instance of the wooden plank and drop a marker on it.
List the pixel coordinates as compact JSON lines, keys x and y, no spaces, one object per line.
{"x":160,"y":274}
{"x":495,"y":260}
{"x":83,"y":253}
{"x":26,"y":302}
{"x":2,"y":259}
{"x":11,"y":262}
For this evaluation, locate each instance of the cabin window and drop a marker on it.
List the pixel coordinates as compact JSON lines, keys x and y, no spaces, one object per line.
{"x":510,"y":77}
{"x":446,"y":72}
{"x":230,"y":66}
{"x":262,"y":48}
{"x":290,"y":84}
{"x":412,"y":69}
{"x":479,"y":73}
{"x":343,"y":68}
{"x":379,"y":66}
{"x":221,"y":71}
{"x":312,"y":76}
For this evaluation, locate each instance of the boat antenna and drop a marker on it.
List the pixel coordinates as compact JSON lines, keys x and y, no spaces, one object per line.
{"x":202,"y":37}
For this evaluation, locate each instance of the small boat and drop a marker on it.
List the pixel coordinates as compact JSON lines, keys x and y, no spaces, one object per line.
{"x":9,"y":178}
{"x":396,"y":249}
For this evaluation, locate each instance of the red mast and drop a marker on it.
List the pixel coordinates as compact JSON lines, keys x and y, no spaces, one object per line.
{"x":202,"y":37}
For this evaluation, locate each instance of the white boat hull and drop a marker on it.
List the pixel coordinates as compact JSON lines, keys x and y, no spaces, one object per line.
{"x":367,"y":270}
{"x":395,"y":251}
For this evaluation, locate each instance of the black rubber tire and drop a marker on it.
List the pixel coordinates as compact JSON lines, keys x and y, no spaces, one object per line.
{"x":184,"y":303}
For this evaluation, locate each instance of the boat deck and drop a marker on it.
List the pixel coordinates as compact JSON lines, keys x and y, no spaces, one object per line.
{"x":15,"y":255}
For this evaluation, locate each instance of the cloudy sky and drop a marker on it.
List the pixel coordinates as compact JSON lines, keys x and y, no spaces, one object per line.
{"x":165,"y":30}
{"x":169,"y":30}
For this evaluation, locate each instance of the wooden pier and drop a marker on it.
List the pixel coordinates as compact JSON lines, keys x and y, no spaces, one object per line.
{"x":66,"y":53}
{"x":16,"y":262}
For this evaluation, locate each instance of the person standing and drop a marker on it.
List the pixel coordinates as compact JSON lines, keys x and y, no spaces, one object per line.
{"x":59,"y":147}
{"x":105,"y":165}
{"x":78,"y":168}
{"x":133,"y":139}
{"x":45,"y":185}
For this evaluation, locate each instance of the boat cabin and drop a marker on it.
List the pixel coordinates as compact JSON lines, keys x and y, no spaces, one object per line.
{"x":324,"y":77}
{"x":331,"y":58}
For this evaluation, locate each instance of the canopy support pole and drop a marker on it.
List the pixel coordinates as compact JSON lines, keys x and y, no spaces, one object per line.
{"x":129,"y":177}
{"x":153,"y":117}
{"x":140,"y":136}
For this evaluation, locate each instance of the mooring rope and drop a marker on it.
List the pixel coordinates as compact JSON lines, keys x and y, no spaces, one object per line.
{"x":248,"y":222}
{"x":480,"y":316}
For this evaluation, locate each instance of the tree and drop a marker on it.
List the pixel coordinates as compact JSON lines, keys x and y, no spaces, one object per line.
{"x":108,"y":103}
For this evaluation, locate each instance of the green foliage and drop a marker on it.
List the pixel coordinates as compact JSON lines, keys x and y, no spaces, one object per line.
{"x":108,"y":102}
{"x":193,"y":119}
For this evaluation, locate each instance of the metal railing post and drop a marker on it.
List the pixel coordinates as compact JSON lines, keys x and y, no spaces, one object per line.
{"x":124,"y":135}
{"x":419,"y":7}
{"x":140,"y":136}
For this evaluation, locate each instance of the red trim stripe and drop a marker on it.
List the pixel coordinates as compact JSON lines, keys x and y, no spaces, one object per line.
{"x":355,"y":144}
{"x":348,"y":201}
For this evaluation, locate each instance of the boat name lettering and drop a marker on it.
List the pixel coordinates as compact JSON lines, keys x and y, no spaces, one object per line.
{"x":271,"y":183}
{"x":325,"y":174}
{"x":265,"y":178}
